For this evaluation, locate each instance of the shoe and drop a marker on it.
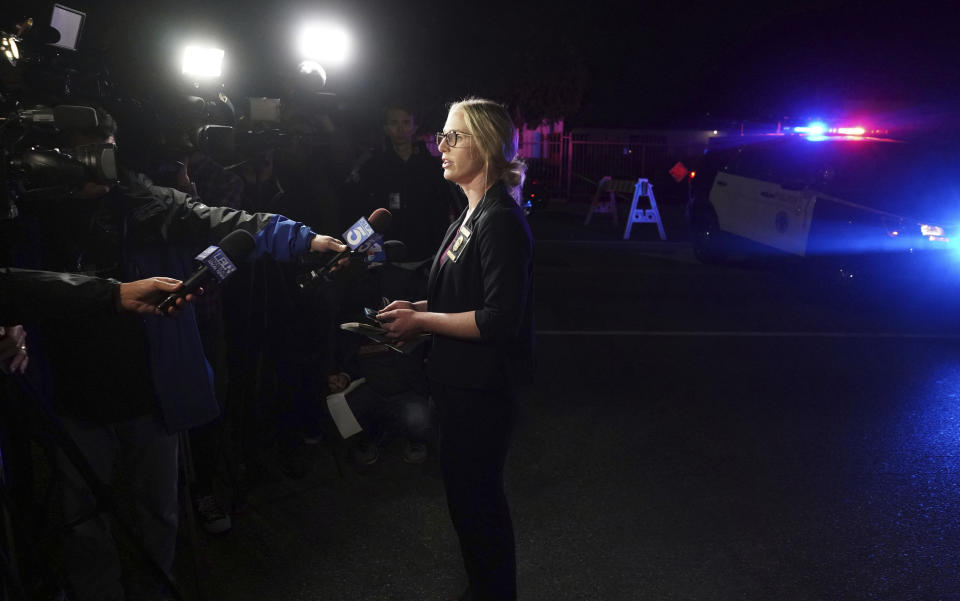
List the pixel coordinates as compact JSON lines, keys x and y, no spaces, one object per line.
{"x":312,"y":439}
{"x":413,"y":452}
{"x":365,"y":452}
{"x":212,"y":517}
{"x":313,"y":434}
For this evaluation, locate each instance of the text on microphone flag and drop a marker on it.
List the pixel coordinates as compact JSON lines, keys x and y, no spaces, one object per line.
{"x":358,"y":233}
{"x":217,"y":262}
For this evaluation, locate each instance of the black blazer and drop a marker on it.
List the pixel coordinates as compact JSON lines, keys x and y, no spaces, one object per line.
{"x":493,"y":276}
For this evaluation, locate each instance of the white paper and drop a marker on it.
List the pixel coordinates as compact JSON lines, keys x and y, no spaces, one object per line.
{"x":341,"y":413}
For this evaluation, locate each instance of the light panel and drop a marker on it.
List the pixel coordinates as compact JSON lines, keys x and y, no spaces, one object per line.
{"x":325,"y":43}
{"x":200,"y":61}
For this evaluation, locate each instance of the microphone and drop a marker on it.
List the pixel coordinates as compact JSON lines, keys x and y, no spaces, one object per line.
{"x":390,"y":251}
{"x":217,"y":263}
{"x":395,"y":250}
{"x":359,"y":238}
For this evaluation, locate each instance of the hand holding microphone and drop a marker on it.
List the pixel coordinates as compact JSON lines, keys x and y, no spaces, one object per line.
{"x":360,"y":236}
{"x":322,"y":243}
{"x":217,"y":264}
{"x":143,"y":296}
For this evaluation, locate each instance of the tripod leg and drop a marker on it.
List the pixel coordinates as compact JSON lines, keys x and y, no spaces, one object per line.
{"x":8,"y":560}
{"x":189,"y":478}
{"x":11,"y":580}
{"x":91,"y":560}
{"x":150,"y":482}
{"x":91,"y":496}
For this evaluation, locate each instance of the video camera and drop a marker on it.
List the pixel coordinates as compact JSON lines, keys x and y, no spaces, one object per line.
{"x":40,"y":73}
{"x":32,"y":162}
{"x":262,"y":124}
{"x":38,"y":70}
{"x":35,"y":157}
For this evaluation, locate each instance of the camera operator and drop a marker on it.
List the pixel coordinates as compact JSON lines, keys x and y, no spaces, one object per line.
{"x":125,"y":386}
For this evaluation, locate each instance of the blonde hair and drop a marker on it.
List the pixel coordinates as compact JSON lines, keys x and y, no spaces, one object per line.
{"x":497,"y":139}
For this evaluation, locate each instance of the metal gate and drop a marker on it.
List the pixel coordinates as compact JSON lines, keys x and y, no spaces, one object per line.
{"x":571,"y":165}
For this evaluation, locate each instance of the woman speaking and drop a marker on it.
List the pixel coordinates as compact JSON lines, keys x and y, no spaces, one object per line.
{"x":479,"y":309}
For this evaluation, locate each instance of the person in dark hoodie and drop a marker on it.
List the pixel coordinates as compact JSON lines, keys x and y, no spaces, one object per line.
{"x":124,"y":386}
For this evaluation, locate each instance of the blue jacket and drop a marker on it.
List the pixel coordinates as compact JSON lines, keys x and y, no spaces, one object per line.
{"x":118,"y":367}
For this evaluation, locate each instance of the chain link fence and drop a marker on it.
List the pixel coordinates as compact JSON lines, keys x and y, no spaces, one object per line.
{"x":570,"y":165}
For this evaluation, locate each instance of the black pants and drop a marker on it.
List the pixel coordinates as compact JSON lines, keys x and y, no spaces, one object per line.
{"x":475,"y":431}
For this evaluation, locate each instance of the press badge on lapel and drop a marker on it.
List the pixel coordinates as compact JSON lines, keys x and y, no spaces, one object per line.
{"x":460,"y":243}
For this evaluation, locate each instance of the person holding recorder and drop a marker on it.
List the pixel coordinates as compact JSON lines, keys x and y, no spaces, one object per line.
{"x":479,"y":311}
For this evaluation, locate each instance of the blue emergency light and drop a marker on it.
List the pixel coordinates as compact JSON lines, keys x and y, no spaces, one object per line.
{"x":816,"y":128}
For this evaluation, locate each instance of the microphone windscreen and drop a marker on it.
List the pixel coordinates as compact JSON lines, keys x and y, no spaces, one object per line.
{"x":395,"y":250}
{"x":237,"y":244}
{"x":380,"y":220}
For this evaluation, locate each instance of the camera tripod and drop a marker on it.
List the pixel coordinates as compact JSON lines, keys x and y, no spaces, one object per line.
{"x":46,"y":429}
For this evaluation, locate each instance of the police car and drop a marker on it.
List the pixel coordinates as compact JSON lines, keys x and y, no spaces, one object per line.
{"x":843,"y":197}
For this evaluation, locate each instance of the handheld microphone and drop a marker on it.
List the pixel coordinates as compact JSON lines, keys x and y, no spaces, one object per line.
{"x":359,"y":238}
{"x":389,"y":251}
{"x":395,"y":250}
{"x":217,"y":263}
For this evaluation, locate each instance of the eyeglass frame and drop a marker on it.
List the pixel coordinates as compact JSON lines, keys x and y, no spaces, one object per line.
{"x":445,"y":135}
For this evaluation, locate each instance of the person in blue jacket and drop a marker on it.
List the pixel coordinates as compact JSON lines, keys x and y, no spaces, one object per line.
{"x":479,"y":311}
{"x":124,"y":386}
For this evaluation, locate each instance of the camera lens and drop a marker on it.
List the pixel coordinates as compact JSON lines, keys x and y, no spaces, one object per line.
{"x":99,"y":161}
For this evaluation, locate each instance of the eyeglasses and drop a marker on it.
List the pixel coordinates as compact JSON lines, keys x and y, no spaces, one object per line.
{"x":452,"y":137}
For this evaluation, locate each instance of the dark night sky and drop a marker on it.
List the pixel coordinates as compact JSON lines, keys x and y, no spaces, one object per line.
{"x":653,"y":65}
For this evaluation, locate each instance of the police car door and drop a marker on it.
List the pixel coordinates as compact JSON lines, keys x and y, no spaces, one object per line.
{"x":764,"y":196}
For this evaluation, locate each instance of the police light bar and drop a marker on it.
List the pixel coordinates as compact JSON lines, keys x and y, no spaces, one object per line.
{"x":814,"y":129}
{"x":819,"y":128}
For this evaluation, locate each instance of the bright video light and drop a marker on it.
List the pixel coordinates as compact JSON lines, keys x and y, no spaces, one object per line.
{"x":199,"y":61}
{"x":324,"y":43}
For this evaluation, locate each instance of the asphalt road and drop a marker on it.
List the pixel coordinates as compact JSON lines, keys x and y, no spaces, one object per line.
{"x":695,"y":432}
